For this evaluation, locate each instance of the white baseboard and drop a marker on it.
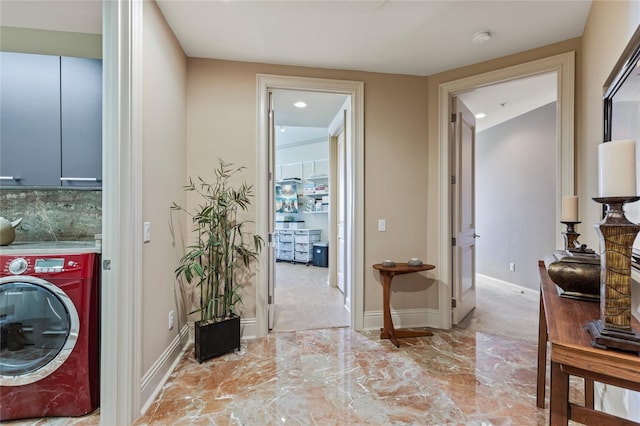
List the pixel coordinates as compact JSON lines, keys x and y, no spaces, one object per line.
{"x":405,"y":318}
{"x":248,"y":328}
{"x":155,"y":378}
{"x":495,"y":281}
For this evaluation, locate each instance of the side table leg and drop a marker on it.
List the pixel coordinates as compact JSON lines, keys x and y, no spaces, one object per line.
{"x":559,"y":398}
{"x":542,"y":355}
{"x":388,"y":330}
{"x":588,"y":393}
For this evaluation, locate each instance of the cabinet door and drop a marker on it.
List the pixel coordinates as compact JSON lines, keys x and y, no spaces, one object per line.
{"x":29,"y":119}
{"x":81,"y":92}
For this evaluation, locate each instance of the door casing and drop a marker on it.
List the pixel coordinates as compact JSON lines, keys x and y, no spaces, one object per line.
{"x":564,"y":67}
{"x":354,"y":187}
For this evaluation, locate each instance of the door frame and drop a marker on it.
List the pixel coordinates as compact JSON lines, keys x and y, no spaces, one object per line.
{"x":337,"y":126}
{"x":121,"y":270}
{"x":564,"y":66}
{"x":355,"y":187}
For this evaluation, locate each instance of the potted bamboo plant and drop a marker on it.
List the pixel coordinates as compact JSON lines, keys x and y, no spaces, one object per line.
{"x":219,"y":258}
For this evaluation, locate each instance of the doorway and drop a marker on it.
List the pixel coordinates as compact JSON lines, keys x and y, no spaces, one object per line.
{"x":306,"y":294}
{"x":514,"y":175}
{"x":563,"y":68}
{"x":353,"y":192}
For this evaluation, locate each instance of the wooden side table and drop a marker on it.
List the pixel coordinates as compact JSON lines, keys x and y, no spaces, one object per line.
{"x":562,"y":322}
{"x":387,"y":273}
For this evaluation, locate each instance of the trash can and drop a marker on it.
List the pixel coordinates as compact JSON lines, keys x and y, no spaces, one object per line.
{"x":321,"y":254}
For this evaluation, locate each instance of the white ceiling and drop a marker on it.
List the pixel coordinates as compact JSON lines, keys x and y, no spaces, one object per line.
{"x":310,"y":123}
{"x":400,"y":37}
{"x":419,"y":37}
{"x":503,"y":101}
{"x":320,"y":110}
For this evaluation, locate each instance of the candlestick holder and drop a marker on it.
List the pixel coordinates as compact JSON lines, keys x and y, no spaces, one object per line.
{"x":613,"y":330}
{"x":570,"y":235}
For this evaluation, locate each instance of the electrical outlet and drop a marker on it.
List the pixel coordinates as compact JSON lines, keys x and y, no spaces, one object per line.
{"x":171,"y":320}
{"x":512,"y":267}
{"x":382,"y":225}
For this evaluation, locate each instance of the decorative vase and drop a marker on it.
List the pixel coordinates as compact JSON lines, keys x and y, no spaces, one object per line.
{"x":216,"y":338}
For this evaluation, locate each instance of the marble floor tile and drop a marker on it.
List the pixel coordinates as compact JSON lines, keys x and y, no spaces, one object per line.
{"x":338,"y":376}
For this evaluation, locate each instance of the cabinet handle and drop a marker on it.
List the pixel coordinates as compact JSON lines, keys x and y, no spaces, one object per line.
{"x":9,"y":178}
{"x":79,"y":179}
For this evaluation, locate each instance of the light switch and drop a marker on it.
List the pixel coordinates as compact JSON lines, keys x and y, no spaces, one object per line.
{"x":382,"y":225}
{"x":147,"y":232}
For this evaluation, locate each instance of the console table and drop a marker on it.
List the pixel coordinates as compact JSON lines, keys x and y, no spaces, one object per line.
{"x":562,"y":322}
{"x":387,"y":273}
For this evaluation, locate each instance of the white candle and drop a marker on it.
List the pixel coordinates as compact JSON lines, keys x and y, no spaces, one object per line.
{"x":569,"y":209}
{"x":617,"y":169}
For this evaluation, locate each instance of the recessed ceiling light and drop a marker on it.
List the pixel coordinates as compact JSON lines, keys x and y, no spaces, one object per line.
{"x":480,"y":37}
{"x":481,"y":115}
{"x":282,"y":129}
{"x":300,"y":104}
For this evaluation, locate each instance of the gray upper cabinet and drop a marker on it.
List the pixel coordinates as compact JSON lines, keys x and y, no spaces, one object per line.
{"x":81,"y":100}
{"x":29,"y":119}
{"x":51,"y":121}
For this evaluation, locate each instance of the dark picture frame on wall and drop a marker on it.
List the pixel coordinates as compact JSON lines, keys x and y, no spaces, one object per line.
{"x":621,"y":102}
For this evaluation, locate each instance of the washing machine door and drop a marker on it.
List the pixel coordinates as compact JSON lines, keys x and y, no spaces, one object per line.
{"x":38,"y":329}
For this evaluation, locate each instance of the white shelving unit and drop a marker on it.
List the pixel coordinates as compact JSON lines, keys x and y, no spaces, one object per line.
{"x":294,"y":243}
{"x":316,"y":193}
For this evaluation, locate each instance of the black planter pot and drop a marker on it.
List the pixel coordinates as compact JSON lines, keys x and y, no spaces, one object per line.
{"x":216,"y":338}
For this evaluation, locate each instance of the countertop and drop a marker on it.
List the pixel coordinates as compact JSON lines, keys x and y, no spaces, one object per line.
{"x":50,"y":247}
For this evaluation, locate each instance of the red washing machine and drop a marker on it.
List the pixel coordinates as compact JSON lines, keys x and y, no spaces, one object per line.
{"x":49,"y":335}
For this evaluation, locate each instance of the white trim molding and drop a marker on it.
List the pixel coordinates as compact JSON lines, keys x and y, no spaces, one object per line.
{"x":122,"y":212}
{"x":505,"y":284}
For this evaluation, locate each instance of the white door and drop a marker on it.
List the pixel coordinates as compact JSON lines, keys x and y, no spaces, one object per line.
{"x":341,"y":211}
{"x":462,"y":145}
{"x":271,"y":304}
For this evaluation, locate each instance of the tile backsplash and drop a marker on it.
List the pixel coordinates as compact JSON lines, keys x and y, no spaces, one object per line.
{"x":53,"y":214}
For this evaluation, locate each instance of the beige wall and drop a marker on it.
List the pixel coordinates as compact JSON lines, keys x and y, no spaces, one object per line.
{"x":222,"y":123}
{"x":608,"y":30}
{"x":27,"y":40}
{"x":163,"y":174}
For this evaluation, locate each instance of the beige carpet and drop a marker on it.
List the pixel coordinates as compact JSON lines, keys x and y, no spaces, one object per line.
{"x":304,"y":301}
{"x":504,"y":310}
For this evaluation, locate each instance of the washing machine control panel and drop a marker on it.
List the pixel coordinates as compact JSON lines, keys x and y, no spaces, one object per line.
{"x":39,"y":265}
